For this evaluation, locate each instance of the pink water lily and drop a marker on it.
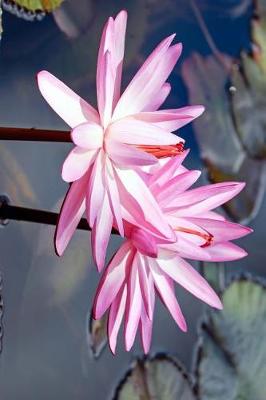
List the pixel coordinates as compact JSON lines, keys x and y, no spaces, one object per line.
{"x":144,"y":265}
{"x":127,"y":131}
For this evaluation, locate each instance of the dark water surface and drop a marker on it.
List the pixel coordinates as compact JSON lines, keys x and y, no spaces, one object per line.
{"x":47,"y":300}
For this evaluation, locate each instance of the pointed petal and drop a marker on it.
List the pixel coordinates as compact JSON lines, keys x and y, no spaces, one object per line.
{"x":222,"y":231}
{"x":106,"y":85}
{"x":185,"y":275}
{"x":205,"y":198}
{"x":88,"y":136}
{"x":77,"y":163}
{"x":113,"y":195}
{"x":101,"y":232}
{"x":71,"y":212}
{"x":112,"y":279}
{"x":131,"y":131}
{"x":149,"y":79}
{"x":179,"y":117}
{"x":67,"y":104}
{"x":96,"y":189}
{"x":146,"y":285}
{"x":159,"y":98}
{"x":212,"y":215}
{"x":126,"y":155}
{"x":186,"y":229}
{"x":119,"y":37}
{"x":104,"y":79}
{"x":172,"y":188}
{"x":133,"y":306}
{"x":165,"y":289}
{"x":171,"y":120}
{"x":168,"y":171}
{"x":116,"y":314}
{"x":139,"y":206}
{"x":109,"y":66}
{"x":145,"y":331}
{"x":188,"y":249}
{"x":225,"y":252}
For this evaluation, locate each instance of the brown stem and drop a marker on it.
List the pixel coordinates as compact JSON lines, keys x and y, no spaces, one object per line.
{"x":34,"y":135}
{"x":9,"y":212}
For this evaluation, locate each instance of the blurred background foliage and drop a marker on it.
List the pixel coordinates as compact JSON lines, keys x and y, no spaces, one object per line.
{"x":50,"y":341}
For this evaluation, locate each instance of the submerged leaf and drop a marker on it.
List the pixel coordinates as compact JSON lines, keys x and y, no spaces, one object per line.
{"x":14,"y":180}
{"x":219,"y":142}
{"x":249,"y":95}
{"x":160,"y":377}
{"x":74,"y":18}
{"x":232,"y":8}
{"x":231,"y":361}
{"x":232,"y":133}
{"x":98,"y":335}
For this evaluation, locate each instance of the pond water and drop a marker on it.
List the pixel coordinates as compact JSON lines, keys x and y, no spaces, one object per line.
{"x":47,"y":300}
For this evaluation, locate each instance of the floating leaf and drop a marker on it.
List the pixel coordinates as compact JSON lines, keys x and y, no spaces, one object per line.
{"x":31,"y":10}
{"x":38,"y":5}
{"x":98,"y":335}
{"x":220,"y":146}
{"x":158,"y":378}
{"x":231,"y":361}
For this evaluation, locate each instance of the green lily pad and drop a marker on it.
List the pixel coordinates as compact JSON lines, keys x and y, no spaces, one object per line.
{"x":31,"y":10}
{"x":231,"y":360}
{"x":38,"y":5}
{"x":160,"y":377}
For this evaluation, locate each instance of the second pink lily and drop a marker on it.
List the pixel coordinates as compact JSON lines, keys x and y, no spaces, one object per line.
{"x":144,"y":265}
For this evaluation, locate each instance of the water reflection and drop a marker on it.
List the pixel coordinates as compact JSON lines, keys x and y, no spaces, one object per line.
{"x":47,"y":299}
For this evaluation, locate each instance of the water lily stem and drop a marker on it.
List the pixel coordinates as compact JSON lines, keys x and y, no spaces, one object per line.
{"x":10,"y":212}
{"x":207,"y":35}
{"x":34,"y":135}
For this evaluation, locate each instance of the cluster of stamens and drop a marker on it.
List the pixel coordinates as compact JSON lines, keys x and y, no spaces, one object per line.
{"x":164,"y":150}
{"x":208,"y":237}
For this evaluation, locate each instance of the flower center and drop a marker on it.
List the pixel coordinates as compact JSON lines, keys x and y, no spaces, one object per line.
{"x":164,"y":150}
{"x":208,"y":237}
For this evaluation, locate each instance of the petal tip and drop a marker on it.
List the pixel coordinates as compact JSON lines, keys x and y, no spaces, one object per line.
{"x":183,"y":326}
{"x":218,"y":305}
{"x":122,"y":13}
{"x":200,"y":110}
{"x":59,"y":249}
{"x":112,"y":348}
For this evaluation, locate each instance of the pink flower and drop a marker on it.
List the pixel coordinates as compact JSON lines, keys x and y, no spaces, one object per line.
{"x":127,"y":131}
{"x":144,"y":265}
